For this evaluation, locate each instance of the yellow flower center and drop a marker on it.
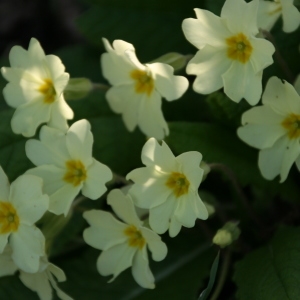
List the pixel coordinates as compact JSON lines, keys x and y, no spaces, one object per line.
{"x":76,"y":172}
{"x":135,"y":237}
{"x":143,"y":82}
{"x":239,"y":48}
{"x":9,"y":220}
{"x":178,"y":183}
{"x":48,"y":90}
{"x":292,"y":124}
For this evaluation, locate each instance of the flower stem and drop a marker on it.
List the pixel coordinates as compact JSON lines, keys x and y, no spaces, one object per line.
{"x":239,"y":191}
{"x":223,"y":275}
{"x":280,"y":60}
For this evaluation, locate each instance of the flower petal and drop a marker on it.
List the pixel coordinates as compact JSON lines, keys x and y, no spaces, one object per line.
{"x":123,"y":99}
{"x":105,"y":231}
{"x":79,"y":141}
{"x":291,"y":16}
{"x":272,"y":161}
{"x":241,"y":16}
{"x":157,"y":247}
{"x":28,"y":245}
{"x":115,"y":260}
{"x":149,"y":189}
{"x":160,"y":215}
{"x":8,"y":267}
{"x":268,"y":14}
{"x":29,"y":116}
{"x":3,"y":241}
{"x":157,"y":155}
{"x":39,"y":283}
{"x":26,"y":196}
{"x":123,"y":207}
{"x":61,"y":200}
{"x":97,"y":175}
{"x":150,"y":117}
{"x":206,"y":29}
{"x":208,"y":65}
{"x":141,"y":271}
{"x":262,"y":127}
{"x":175,"y":227}
{"x":169,"y":86}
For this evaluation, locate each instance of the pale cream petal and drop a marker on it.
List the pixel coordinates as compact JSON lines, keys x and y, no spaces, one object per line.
{"x":141,"y":271}
{"x":115,"y":260}
{"x":175,"y":227}
{"x":208,"y":65}
{"x":116,"y":67}
{"x":290,"y":155}
{"x":123,"y":99}
{"x":123,"y":207}
{"x":169,"y":86}
{"x":27,"y":198}
{"x":4,"y":186}
{"x":160,"y":215}
{"x":189,"y":163}
{"x":39,"y":283}
{"x":290,"y":15}
{"x":41,"y":153}
{"x":241,"y":82}
{"x":268,"y":14}
{"x":105,"y":231}
{"x":240,"y":16}
{"x":156,"y":246}
{"x":57,"y":272}
{"x":200,"y":208}
{"x":52,"y":177}
{"x":3,"y":241}
{"x":60,"y":113}
{"x":79,"y":141}
{"x":97,"y":175}
{"x":7,"y":266}
{"x":29,"y":116}
{"x":158,"y":156}
{"x":185,"y":211}
{"x":261,"y":56}
{"x":61,"y":200}
{"x":206,"y":29}
{"x":150,"y":117}
{"x":270,"y":160}
{"x":28,"y":245}
{"x":281,"y":96}
{"x":149,"y":189}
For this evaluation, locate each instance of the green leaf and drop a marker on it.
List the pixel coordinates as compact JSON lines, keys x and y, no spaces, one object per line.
{"x":273,"y":271}
{"x":212,"y":278}
{"x":220,"y":145}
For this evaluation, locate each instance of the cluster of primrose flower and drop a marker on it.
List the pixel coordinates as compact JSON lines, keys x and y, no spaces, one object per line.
{"x":230,"y":56}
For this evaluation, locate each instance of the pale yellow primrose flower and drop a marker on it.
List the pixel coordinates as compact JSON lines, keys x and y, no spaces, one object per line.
{"x":40,"y":282}
{"x":274,"y":128}
{"x":168,"y":187}
{"x":230,"y":55}
{"x":22,"y":204}
{"x":65,"y":162}
{"x":137,"y":89}
{"x":123,"y":244}
{"x":35,"y":89}
{"x":270,"y":11}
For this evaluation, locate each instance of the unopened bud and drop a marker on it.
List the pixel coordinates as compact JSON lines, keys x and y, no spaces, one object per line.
{"x":176,"y":60}
{"x":77,"y":88}
{"x":227,"y":234}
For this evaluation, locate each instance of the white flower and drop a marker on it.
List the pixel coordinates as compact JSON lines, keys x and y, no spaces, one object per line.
{"x":35,"y":89}
{"x":65,"y":163}
{"x":230,"y":55}
{"x":123,"y":244}
{"x":21,"y":205}
{"x":270,"y":11}
{"x":168,"y":187}
{"x":274,"y":128}
{"x":137,"y":89}
{"x":39,"y":282}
